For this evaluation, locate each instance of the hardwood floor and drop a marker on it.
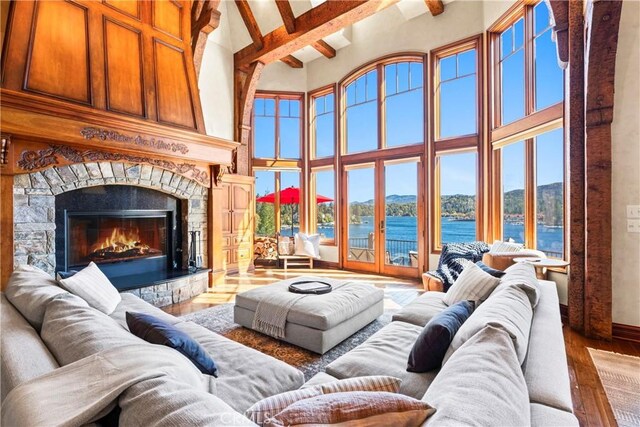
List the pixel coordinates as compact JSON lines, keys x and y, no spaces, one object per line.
{"x":589,"y":398}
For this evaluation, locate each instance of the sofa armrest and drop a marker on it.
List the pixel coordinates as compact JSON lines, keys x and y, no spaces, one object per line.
{"x":504,"y":260}
{"x":432,"y":283}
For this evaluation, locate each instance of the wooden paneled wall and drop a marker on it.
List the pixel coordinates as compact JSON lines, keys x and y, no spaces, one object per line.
{"x":127,"y":57}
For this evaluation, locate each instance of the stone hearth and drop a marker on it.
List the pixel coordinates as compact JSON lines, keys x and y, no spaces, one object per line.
{"x":35,"y":222}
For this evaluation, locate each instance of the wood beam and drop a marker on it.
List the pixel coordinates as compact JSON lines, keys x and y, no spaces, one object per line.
{"x":245,"y":85}
{"x":287,"y":15}
{"x":559,"y":12}
{"x":324,"y":48}
{"x":292,"y":61}
{"x":311,"y":26}
{"x":205,"y":17}
{"x":436,"y":7}
{"x":574,"y":117}
{"x":250,"y":22}
{"x":602,"y":23}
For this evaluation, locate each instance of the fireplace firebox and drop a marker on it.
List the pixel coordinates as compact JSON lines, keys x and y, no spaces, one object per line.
{"x":141,"y":238}
{"x":134,"y":234}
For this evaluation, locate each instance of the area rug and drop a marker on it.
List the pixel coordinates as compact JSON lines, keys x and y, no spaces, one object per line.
{"x":220,"y":319}
{"x":620,"y":377}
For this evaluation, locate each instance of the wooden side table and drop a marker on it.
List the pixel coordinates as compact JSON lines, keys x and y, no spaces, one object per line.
{"x":541,"y":264}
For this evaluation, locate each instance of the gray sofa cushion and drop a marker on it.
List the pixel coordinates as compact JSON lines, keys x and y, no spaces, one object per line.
{"x":385,"y":353}
{"x":29,"y":290}
{"x":546,"y":416}
{"x":321,"y":312}
{"x":72,"y":330}
{"x":482,"y":384}
{"x":545,"y":368}
{"x":522,"y":275}
{"x":24,"y":355}
{"x":508,"y":307}
{"x":245,"y":375}
{"x":422,"y":309}
{"x":133,"y":304}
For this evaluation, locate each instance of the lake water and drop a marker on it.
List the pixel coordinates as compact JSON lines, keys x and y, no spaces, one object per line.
{"x":550,"y":239}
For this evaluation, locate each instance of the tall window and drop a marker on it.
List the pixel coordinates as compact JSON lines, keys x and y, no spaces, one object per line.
{"x":362,"y":113}
{"x":455,"y":114}
{"x":323,"y":191}
{"x":322,"y":123}
{"x":457,"y":177}
{"x":527,"y":133}
{"x":403,"y":104}
{"x":277,"y":126}
{"x":277,"y":162}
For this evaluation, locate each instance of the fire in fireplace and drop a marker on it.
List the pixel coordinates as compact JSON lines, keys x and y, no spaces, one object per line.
{"x":118,"y":236}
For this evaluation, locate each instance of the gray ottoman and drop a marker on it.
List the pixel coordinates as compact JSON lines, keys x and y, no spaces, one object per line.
{"x":318,"y":322}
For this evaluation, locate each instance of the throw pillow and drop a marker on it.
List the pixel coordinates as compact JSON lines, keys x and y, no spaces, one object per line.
{"x":510,"y":308}
{"x":505,"y":247}
{"x":482,"y":384}
{"x":94,"y":287}
{"x":355,"y":408}
{"x":473,"y":284}
{"x":268,"y":407}
{"x":308,"y":245}
{"x":157,"y":331}
{"x":29,"y":290}
{"x":492,"y":271}
{"x":434,"y":340}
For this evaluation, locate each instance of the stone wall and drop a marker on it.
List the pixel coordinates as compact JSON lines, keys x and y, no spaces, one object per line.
{"x":34,"y":204}
{"x":175,"y":291}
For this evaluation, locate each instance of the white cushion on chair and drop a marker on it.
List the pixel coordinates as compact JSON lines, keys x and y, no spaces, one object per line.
{"x":308,"y":245}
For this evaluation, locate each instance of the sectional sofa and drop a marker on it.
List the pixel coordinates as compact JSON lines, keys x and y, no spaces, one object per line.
{"x":509,"y":366}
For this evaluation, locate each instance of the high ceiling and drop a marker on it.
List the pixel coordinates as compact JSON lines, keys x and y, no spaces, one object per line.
{"x":254,"y":21}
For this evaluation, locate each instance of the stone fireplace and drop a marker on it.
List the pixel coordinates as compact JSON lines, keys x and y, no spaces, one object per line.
{"x":132,"y":220}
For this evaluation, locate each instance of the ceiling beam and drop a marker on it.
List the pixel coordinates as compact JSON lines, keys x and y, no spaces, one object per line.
{"x":292,"y":61}
{"x":287,"y":15}
{"x":324,"y":48}
{"x":251,"y":23}
{"x":311,"y":26}
{"x":436,"y":7}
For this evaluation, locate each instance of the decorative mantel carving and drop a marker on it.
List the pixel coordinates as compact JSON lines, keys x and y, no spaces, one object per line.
{"x":4,"y":149}
{"x":106,"y":134}
{"x":32,"y":160}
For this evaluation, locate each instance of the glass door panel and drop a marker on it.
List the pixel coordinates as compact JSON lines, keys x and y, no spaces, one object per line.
{"x":399,"y":231}
{"x":361,"y":218}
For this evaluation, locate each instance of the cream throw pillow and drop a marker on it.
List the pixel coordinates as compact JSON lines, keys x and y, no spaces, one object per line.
{"x":308,"y":245}
{"x":94,"y":287}
{"x":272,"y":405}
{"x":473,"y":284}
{"x":356,"y":408}
{"x":500,"y":247}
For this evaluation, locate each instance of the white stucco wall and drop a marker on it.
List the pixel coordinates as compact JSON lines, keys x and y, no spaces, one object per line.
{"x":216,"y":80}
{"x":625,"y":155}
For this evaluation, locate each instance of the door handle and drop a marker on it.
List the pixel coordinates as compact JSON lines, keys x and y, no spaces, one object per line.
{"x":382,"y":226}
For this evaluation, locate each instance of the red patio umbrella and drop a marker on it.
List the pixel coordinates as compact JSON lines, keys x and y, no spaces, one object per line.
{"x":290,"y":196}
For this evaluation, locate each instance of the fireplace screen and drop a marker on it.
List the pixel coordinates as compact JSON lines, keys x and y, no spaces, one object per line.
{"x":104,"y":238}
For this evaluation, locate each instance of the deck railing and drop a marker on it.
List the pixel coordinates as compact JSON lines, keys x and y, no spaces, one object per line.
{"x":398,"y":252}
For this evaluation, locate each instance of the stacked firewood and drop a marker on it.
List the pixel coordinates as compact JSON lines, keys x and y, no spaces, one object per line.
{"x":265,"y":248}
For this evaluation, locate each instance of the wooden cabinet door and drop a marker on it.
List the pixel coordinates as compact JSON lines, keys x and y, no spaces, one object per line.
{"x":225,"y":209}
{"x":241,"y":208}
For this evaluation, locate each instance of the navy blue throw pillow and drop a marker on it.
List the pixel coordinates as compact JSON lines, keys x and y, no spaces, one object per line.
{"x":157,"y":331}
{"x":491,"y":271}
{"x":434,"y":340}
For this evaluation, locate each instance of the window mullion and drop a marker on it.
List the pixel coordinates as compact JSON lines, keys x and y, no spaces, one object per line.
{"x":530,"y":217}
{"x":381,"y":106}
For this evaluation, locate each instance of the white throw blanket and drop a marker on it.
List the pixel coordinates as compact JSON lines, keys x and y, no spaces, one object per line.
{"x":271,"y":313}
{"x":153,"y":385}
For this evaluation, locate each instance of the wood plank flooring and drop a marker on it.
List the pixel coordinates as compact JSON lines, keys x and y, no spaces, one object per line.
{"x":589,"y":398}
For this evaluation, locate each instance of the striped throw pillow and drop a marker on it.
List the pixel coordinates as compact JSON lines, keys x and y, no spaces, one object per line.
{"x":270,"y":406}
{"x":94,"y":287}
{"x":473,"y":284}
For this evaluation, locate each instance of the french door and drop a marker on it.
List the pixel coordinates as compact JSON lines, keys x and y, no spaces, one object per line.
{"x":383,"y":216}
